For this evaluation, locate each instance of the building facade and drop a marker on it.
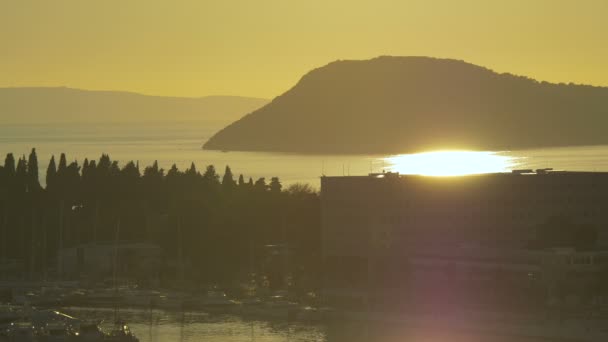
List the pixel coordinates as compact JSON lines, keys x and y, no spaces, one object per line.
{"x":372,"y":224}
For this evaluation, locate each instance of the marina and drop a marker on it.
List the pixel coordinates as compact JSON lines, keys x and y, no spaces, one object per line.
{"x":209,"y":317}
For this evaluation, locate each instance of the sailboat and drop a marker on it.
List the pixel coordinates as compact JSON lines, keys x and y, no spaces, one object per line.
{"x":174,"y":300}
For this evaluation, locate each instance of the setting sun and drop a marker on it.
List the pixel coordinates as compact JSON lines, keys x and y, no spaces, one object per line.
{"x":450,"y":163}
{"x":327,"y":171}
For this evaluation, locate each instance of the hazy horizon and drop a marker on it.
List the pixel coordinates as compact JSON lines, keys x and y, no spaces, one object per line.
{"x":199,"y":48}
{"x":62,"y":87}
{"x":27,"y":105}
{"x":319,"y":171}
{"x":270,"y":97}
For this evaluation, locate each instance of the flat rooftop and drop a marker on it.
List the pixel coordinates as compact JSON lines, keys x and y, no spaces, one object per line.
{"x":517,"y":172}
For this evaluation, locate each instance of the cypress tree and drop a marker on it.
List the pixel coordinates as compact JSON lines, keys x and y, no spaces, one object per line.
{"x":71,"y":180}
{"x":191,"y":170}
{"x":21,"y":174}
{"x":275,"y":185}
{"x":173,"y":171}
{"x":21,"y":170}
{"x":61,"y":179}
{"x":51,"y":174}
{"x":260,"y":184}
{"x":104,"y":163}
{"x":114,"y":169}
{"x":131,"y":171}
{"x":85,"y":168}
{"x":241,"y":180}
{"x":32,"y":170}
{"x":228,"y":179}
{"x":92,"y":172}
{"x":153,"y":171}
{"x":9,"y":165}
{"x":3,"y":187}
{"x":211,"y":176}
{"x":63,"y":164}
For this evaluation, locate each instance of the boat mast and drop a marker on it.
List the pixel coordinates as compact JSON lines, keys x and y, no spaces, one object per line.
{"x":96,"y":222}
{"x":4,"y":235}
{"x":180,"y":252}
{"x":33,"y":245}
{"x":114,"y":266}
{"x":60,"y":249}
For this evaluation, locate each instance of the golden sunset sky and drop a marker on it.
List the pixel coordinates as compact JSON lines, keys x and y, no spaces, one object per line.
{"x":261,"y":48}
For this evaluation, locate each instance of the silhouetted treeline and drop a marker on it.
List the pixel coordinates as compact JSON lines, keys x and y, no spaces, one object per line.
{"x":216,"y":221}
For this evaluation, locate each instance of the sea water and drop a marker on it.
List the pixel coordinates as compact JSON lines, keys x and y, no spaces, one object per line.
{"x":181,"y":143}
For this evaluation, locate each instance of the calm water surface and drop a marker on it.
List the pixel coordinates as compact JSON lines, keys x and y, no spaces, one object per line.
{"x":171,"y":326}
{"x":180,"y":143}
{"x":168,"y":326}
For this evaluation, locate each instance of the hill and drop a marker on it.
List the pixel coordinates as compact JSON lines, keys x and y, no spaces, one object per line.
{"x":45,"y":105}
{"x":410,"y":104}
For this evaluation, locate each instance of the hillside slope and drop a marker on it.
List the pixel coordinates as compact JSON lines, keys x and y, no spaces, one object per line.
{"x":410,"y":104}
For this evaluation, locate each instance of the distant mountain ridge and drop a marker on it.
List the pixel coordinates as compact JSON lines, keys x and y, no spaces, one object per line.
{"x":60,"y":104}
{"x":411,"y":104}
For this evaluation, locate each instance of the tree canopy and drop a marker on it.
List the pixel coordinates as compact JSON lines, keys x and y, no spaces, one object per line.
{"x":219,"y":219}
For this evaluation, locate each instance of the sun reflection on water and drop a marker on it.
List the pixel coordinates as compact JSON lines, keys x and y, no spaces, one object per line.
{"x":450,"y":163}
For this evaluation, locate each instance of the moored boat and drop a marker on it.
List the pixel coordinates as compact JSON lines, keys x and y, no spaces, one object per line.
{"x":54,"y":326}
